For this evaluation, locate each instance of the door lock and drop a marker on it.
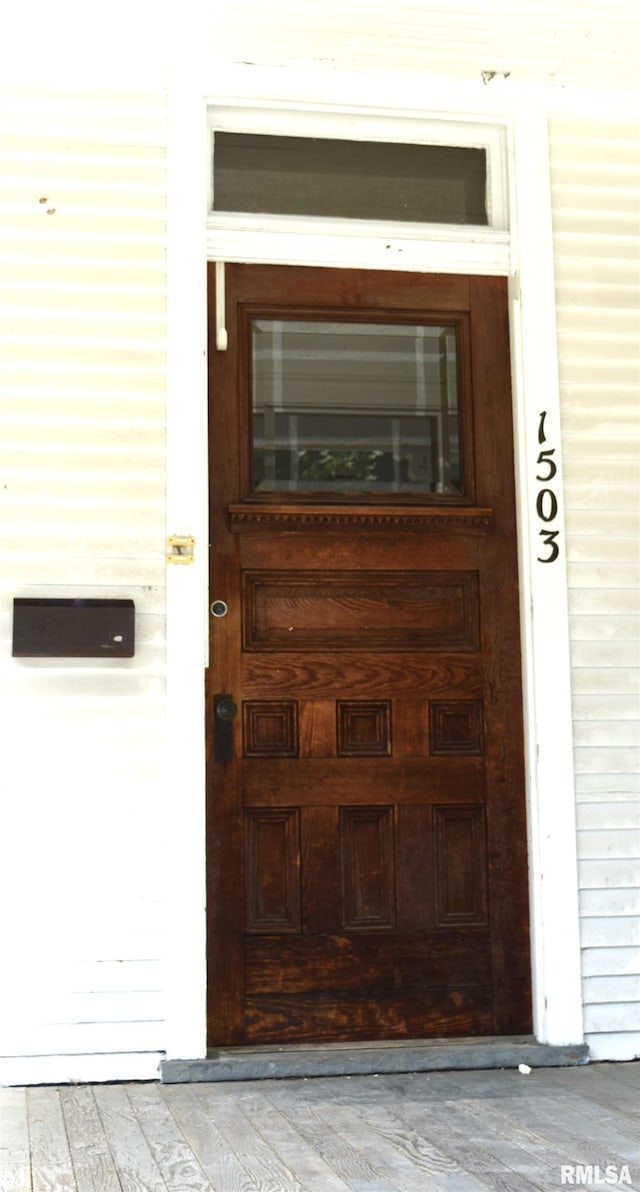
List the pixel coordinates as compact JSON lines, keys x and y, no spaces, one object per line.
{"x":226,"y":710}
{"x":219,"y":608}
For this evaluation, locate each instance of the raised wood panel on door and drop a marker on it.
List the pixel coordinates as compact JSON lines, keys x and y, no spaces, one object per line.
{"x":364,"y":610}
{"x":366,"y":845}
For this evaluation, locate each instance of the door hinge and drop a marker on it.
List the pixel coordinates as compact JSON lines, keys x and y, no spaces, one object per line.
{"x":183,"y":547}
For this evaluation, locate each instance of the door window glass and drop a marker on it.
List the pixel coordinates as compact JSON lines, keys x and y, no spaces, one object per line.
{"x":355,"y":407}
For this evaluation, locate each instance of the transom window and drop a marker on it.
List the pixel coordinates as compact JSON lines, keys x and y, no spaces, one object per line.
{"x":287,"y":175}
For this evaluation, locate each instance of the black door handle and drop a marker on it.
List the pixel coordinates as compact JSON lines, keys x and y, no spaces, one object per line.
{"x":226,"y":711}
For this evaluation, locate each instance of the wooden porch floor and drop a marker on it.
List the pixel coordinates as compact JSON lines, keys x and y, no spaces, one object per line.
{"x":431,"y":1132}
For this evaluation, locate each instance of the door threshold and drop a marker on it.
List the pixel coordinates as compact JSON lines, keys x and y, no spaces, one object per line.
{"x":371,"y":1058}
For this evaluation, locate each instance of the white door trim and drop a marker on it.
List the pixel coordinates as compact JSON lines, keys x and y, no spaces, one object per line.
{"x":187,"y":585}
{"x":553,"y":866}
{"x":526,"y":257}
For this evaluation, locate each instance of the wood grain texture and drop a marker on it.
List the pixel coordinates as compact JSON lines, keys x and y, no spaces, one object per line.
{"x":51,"y":1166}
{"x":272,"y":869}
{"x":474,"y":1131}
{"x":309,"y":1167}
{"x":176,"y":1161}
{"x":321,"y":548}
{"x":360,"y":610}
{"x":399,"y":652}
{"x":322,"y":676}
{"x":413,"y":1156}
{"x":266,"y":1170}
{"x":376,"y":962}
{"x":215,"y":1154}
{"x":455,"y":727}
{"x":15,"y":1158}
{"x":137,"y":1168}
{"x":460,"y":866}
{"x":368,"y":867}
{"x":363,"y":729}
{"x":248,"y":518}
{"x":93,"y":1163}
{"x":270,"y":728}
{"x":340,"y":1152}
{"x":380,"y":780}
{"x":464,"y":1150}
{"x":400,"y":1014}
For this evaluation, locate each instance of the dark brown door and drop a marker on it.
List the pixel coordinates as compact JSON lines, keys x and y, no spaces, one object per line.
{"x":366,"y":821}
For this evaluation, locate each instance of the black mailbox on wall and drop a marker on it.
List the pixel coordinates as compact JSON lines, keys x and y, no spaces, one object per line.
{"x":73,"y":628}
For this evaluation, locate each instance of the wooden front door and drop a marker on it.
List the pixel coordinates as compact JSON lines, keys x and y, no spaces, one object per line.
{"x":367,"y":870}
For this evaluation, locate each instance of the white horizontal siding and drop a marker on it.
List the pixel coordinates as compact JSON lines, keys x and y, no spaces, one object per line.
{"x":610,"y":962}
{"x":595,"y":188}
{"x":609,"y":1017}
{"x":82,"y":419}
{"x":556,"y":43}
{"x":87,"y":1038}
{"x":82,"y":483}
{"x":78,"y":1069}
{"x":603,"y":874}
{"x":623,"y":903}
{"x":622,"y":814}
{"x":614,"y":1045}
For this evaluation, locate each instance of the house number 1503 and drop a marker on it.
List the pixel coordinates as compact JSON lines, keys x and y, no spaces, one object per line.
{"x":546,"y":500}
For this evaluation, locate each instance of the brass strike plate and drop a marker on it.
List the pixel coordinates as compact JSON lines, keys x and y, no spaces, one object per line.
{"x":183,"y":547}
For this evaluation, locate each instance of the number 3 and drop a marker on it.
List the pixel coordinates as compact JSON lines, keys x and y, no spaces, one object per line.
{"x":550,"y":537}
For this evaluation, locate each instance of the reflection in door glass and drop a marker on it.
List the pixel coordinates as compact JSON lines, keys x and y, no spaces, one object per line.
{"x":355,"y":407}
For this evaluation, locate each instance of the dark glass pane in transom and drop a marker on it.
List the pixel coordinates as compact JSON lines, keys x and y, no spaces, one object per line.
{"x":355,"y":408}
{"x":349,"y":179}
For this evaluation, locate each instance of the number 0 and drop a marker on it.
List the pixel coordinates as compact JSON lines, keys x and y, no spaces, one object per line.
{"x":547,"y":505}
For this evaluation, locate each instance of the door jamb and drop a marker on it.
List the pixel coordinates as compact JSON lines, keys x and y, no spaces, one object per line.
{"x":557,"y":1004}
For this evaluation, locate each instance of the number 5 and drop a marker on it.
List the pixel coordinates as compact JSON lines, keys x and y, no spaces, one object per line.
{"x":545,"y":458}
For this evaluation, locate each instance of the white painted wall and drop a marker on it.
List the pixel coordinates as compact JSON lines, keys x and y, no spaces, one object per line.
{"x":550,"y":42}
{"x":82,"y":513}
{"x":103,"y":942}
{"x":596,"y":213}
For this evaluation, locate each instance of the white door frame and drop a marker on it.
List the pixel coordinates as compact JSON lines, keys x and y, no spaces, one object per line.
{"x":525,"y":255}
